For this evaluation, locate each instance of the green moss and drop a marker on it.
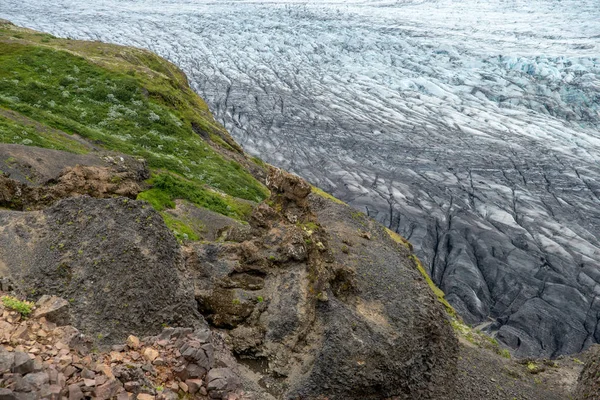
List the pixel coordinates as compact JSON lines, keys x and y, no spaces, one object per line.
{"x":122,"y":99}
{"x":168,"y":187}
{"x":398,"y":239}
{"x":437,"y":291}
{"x":326,"y":195}
{"x":180,"y":229}
{"x":158,"y":198}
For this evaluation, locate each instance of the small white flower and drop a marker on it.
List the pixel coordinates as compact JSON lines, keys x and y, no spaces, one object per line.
{"x":153,"y":116}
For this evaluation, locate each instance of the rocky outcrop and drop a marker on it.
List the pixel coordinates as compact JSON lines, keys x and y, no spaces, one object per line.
{"x":588,"y":384}
{"x":326,"y":301}
{"x":113,"y":259}
{"x":34,"y":178}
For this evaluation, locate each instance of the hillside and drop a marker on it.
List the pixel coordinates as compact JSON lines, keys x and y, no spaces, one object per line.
{"x":127,"y":211}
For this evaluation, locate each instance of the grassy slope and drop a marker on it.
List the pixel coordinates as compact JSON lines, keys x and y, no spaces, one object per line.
{"x":122,"y":99}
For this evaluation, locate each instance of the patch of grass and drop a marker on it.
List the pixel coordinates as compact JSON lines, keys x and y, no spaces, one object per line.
{"x":168,"y":187}
{"x":180,"y":229}
{"x":15,"y":132}
{"x":157,"y":198}
{"x":258,"y":161}
{"x":505,"y":353}
{"x":399,"y":239}
{"x":122,"y":99}
{"x":326,"y":195}
{"x":23,"y":307}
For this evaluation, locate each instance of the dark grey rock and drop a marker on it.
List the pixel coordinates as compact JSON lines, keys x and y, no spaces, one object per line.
{"x":37,"y":379}
{"x":7,"y":394}
{"x":23,"y":364}
{"x":108,"y":390}
{"x":220,"y":381}
{"x":114,"y":255}
{"x":7,"y":359}
{"x":54,"y":309}
{"x":75,"y":392}
{"x":195,"y":371}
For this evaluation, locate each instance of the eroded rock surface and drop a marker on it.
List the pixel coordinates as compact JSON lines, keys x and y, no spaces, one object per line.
{"x":114,"y":259}
{"x":326,"y":300}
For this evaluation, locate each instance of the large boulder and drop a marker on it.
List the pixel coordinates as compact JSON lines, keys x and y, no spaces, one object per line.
{"x":325,"y":304}
{"x":114,"y":260}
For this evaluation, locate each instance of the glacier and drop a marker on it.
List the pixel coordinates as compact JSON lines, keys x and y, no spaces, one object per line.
{"x":470,"y":127}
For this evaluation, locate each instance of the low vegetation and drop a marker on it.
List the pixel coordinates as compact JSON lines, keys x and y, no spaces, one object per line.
{"x":126,"y":100}
{"x":12,"y":303}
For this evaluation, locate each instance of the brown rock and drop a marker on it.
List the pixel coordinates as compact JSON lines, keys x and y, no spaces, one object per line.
{"x":124,"y":396}
{"x":194,"y":385}
{"x":21,"y":333}
{"x":108,"y":390}
{"x":116,"y":356}
{"x":75,"y":392}
{"x":69,"y":371}
{"x":132,"y":386}
{"x":150,"y":354}
{"x":144,"y":396}
{"x":133,"y":342}
{"x":105,"y":369}
{"x":87,"y":374}
{"x":53,"y":309}
{"x":101,"y":380}
{"x":183,"y":386}
{"x":89,"y":382}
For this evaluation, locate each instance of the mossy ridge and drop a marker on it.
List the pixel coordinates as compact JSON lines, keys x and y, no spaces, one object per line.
{"x":326,"y":195}
{"x":473,"y":336}
{"x":122,"y":99}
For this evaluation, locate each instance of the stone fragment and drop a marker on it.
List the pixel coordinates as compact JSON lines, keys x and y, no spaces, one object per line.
{"x":169,"y":395}
{"x":101,"y":380}
{"x":150,"y":354}
{"x":89,"y":382}
{"x":23,"y":364}
{"x":53,"y":309}
{"x":87,"y":374}
{"x":183,"y":386}
{"x":133,"y":342}
{"x":132,"y":386}
{"x":54,"y":391}
{"x":116,"y":356}
{"x":108,"y":390}
{"x":7,"y":394}
{"x":145,"y":396}
{"x":37,"y":379}
{"x":123,"y":396}
{"x":220,"y":381}
{"x":6,"y":360}
{"x":75,"y":392}
{"x":195,"y":371}
{"x":105,"y":369}
{"x":194,"y":385}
